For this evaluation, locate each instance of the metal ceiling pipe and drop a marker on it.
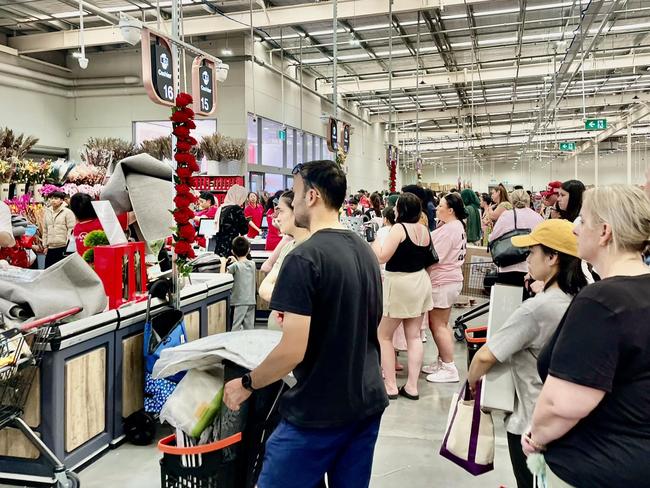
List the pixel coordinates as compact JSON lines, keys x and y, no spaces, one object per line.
{"x":94,"y":9}
{"x":67,"y":82}
{"x":34,"y":86}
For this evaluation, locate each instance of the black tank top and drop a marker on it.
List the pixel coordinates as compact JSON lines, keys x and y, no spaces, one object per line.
{"x":409,"y":257}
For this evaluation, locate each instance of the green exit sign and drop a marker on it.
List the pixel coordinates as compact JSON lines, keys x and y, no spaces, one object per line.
{"x":282,"y":134}
{"x":567,"y":146}
{"x":595,"y":124}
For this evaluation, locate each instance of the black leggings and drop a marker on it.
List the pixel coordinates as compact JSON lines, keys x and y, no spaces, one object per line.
{"x":518,"y":459}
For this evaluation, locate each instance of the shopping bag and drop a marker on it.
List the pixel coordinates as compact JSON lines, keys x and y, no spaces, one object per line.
{"x":164,"y":330}
{"x":469,"y":438}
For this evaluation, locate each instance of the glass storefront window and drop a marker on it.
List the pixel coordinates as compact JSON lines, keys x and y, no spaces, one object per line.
{"x":256,"y":182}
{"x":300,"y":155}
{"x":291,"y":156}
{"x":309,"y":147}
{"x":273,"y":182}
{"x":272,"y":145}
{"x":253,"y":147}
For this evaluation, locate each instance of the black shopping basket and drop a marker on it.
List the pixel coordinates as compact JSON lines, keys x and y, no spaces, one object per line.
{"x":212,"y":465}
{"x":475,"y":338}
{"x":235,"y":461}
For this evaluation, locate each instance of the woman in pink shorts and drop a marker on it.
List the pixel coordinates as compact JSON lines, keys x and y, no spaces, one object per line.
{"x":450,"y":242}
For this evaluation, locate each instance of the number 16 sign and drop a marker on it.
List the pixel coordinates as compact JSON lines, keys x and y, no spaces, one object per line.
{"x":158,"y":74}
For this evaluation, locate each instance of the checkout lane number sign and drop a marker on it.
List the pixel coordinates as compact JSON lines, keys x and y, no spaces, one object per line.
{"x":162,"y":71}
{"x":204,"y":90}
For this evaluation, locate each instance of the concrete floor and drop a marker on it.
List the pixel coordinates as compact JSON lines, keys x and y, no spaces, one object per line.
{"x":406,"y":454}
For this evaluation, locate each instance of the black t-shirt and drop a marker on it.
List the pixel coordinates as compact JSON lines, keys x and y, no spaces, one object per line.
{"x":334,"y":278}
{"x":603,"y":342}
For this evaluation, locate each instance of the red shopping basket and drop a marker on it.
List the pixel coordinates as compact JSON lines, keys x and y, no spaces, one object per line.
{"x":206,"y":466}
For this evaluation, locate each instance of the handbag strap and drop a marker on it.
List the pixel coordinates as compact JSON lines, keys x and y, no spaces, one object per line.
{"x":476,"y":424}
{"x":514,"y":211}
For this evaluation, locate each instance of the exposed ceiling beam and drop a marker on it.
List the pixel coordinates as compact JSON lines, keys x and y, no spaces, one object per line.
{"x":571,"y":103}
{"x":490,"y":74}
{"x":238,"y":21}
{"x":94,"y":9}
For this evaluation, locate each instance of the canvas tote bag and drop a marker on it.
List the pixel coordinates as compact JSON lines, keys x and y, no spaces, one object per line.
{"x":469,"y":439}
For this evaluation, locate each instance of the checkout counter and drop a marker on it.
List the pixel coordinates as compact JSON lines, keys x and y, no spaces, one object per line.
{"x":93,"y":377}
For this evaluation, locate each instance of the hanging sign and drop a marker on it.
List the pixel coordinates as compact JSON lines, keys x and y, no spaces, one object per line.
{"x":567,"y":146}
{"x":204,"y":90}
{"x":158,"y":68}
{"x":333,"y":135}
{"x":595,"y":124}
{"x":346,"y":138}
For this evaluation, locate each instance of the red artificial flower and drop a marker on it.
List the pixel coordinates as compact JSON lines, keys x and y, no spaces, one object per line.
{"x":189,"y":112}
{"x":180,"y":117}
{"x":181,"y":131}
{"x":184,"y":249}
{"x":183,"y":146}
{"x":183,"y":99}
{"x":183,"y":189}
{"x":184,"y":173}
{"x":194,"y":166}
{"x":187,"y":232}
{"x":184,"y":200}
{"x":191,"y":141}
{"x":185,"y":158}
{"x":190,"y":124}
{"x":183,"y":215}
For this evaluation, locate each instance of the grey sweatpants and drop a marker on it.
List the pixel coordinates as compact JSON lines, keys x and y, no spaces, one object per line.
{"x":243,"y":317}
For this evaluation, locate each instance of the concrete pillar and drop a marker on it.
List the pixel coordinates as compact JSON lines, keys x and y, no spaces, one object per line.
{"x":575,"y":167}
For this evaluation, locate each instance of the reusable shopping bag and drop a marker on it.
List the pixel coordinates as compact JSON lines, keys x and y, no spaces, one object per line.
{"x":164,"y":330}
{"x":469,"y":439}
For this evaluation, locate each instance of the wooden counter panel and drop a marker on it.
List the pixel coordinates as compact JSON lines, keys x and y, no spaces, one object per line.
{"x":32,"y":415}
{"x":193,"y":325}
{"x":13,"y":443}
{"x":217,"y":317}
{"x":132,"y":374}
{"x":261,"y":304}
{"x":85,"y":398}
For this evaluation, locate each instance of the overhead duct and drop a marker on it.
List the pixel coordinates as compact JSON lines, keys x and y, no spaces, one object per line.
{"x":34,"y":86}
{"x":67,"y":82}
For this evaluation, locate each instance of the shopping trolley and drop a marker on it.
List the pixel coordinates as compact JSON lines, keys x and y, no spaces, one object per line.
{"x":21,"y":354}
{"x":478,"y":278}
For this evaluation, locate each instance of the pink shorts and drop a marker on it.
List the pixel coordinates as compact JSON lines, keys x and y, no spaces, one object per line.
{"x":444,"y":296}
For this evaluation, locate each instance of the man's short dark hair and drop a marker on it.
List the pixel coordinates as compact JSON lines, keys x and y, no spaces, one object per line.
{"x":57,"y":194}
{"x":418,"y":191}
{"x":328,"y":178}
{"x":354,"y":201}
{"x":207,"y":196}
{"x":240,"y":246}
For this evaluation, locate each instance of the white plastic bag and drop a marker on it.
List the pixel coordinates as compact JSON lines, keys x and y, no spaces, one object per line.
{"x":185,"y":407}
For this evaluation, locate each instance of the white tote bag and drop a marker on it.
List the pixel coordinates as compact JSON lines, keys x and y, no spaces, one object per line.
{"x":469,"y":439}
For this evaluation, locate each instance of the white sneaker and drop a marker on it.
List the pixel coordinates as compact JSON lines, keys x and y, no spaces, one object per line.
{"x":447,"y":373}
{"x":433,"y":367}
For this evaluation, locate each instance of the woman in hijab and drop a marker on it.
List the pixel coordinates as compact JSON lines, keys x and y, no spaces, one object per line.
{"x":230,"y":221}
{"x":473,"y":209}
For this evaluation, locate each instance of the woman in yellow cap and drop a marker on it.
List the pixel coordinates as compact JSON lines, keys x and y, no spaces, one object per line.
{"x":552,"y":260}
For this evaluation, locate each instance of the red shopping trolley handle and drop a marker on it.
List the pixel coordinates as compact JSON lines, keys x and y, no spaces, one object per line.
{"x":164,"y":445}
{"x":49,"y":319}
{"x":469,"y":335}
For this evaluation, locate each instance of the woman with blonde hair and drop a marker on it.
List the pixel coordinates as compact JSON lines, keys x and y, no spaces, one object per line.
{"x":230,"y":221}
{"x":592,"y":418}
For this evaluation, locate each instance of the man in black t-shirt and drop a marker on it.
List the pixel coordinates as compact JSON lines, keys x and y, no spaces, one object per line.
{"x":329,"y":290}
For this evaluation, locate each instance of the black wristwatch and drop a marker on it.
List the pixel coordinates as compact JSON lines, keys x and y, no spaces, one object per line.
{"x":247,"y":382}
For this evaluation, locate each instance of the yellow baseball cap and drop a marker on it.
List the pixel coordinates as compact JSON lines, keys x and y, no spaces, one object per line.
{"x":556,"y":234}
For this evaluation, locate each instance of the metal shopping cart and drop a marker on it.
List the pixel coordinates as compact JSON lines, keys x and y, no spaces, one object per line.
{"x":478,"y":278}
{"x":21,"y":353}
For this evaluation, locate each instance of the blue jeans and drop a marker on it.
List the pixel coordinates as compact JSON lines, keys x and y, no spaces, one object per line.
{"x":297,"y":457}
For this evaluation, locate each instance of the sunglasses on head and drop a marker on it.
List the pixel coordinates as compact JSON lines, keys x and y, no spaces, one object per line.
{"x":297,"y":168}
